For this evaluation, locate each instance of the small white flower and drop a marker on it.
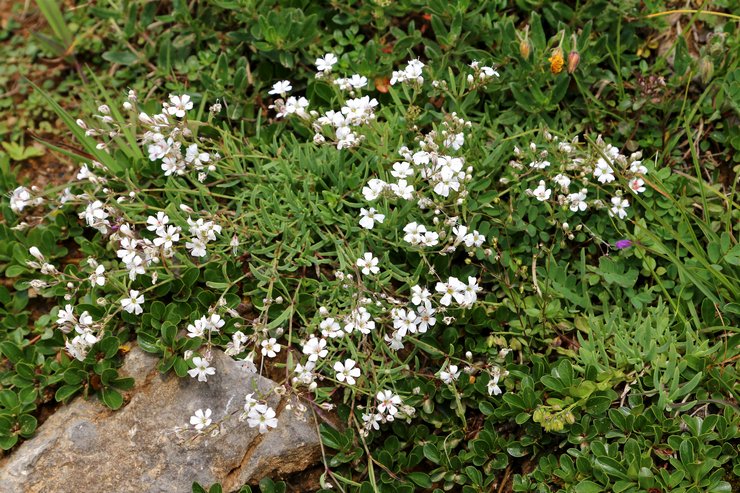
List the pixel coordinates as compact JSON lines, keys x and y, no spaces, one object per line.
{"x":179,"y":105}
{"x":450,"y":375}
{"x":637,"y":185}
{"x":315,"y":348}
{"x":603,"y":172}
{"x":493,"y":388}
{"x":201,"y":419}
{"x":281,"y":88}
{"x":562,"y":180}
{"x":132,"y":304}
{"x":196,"y":329}
{"x":202,"y":369}
{"x":541,"y":193}
{"x":388,"y":402}
{"x":270,"y":347}
{"x":262,"y":417}
{"x":619,"y":207}
{"x":157,"y":222}
{"x":197,"y":247}
{"x":420,"y":295}
{"x":368,"y":218}
{"x":368,"y":263}
{"x":98,"y":277}
{"x":325,"y":63}
{"x":577,"y":201}
{"x":347,"y":371}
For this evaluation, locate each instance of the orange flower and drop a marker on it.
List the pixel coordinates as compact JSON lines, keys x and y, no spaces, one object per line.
{"x":556,"y":61}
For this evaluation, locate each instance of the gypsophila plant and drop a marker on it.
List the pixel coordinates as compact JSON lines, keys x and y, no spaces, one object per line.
{"x":433,"y":251}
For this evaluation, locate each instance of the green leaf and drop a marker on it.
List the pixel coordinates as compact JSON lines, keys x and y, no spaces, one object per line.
{"x":54,"y":17}
{"x":420,"y":479}
{"x":586,"y":486}
{"x":64,"y":392}
{"x":112,"y":398}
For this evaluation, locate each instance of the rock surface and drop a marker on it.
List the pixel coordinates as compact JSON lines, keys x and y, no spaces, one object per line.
{"x":86,"y":447}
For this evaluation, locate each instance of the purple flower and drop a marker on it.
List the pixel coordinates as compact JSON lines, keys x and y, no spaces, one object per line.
{"x":622,"y":244}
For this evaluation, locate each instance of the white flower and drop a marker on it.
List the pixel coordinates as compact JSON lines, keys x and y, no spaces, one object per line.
{"x":619,"y":207}
{"x":325,"y":63}
{"x":263,"y":417}
{"x":577,"y":201}
{"x":368,"y":218}
{"x":66,"y":315}
{"x":197,"y":247}
{"x":196,"y":329}
{"x":281,"y":88}
{"x":98,"y":276}
{"x":135,"y":266}
{"x":471,"y":291}
{"x":403,"y":190}
{"x":157,"y":222}
{"x":201,"y":419}
{"x":202,"y":369}
{"x":368,"y":263}
{"x":315,"y":348}
{"x":493,"y":388}
{"x":637,"y":185}
{"x":474,"y":239}
{"x":539,"y":164}
{"x":414,"y":233}
{"x":132,"y":304}
{"x":638,"y":168}
{"x":195,"y":157}
{"x":179,"y":105}
{"x":388,"y":402}
{"x":330,"y":328}
{"x":453,"y":288}
{"x":603,"y":172}
{"x":270,"y":347}
{"x":420,"y":295}
{"x":450,"y":375}
{"x":166,"y":238}
{"x":562,"y":180}
{"x":357,"y":81}
{"x":214,"y":323}
{"x":347,"y":371}
{"x":373,"y":189}
{"x":541,"y":193}
{"x":425,"y":318}
{"x":404,"y":322}
{"x":372,"y":420}
{"x":402,"y":169}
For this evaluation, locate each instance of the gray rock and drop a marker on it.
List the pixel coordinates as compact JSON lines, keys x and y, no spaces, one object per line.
{"x":86,"y":447}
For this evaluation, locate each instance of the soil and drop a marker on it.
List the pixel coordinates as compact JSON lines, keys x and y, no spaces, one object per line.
{"x":51,"y":168}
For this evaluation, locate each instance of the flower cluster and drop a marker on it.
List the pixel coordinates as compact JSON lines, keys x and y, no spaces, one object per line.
{"x":87,"y":332}
{"x":411,"y":74}
{"x":21,"y":198}
{"x":574,"y":175}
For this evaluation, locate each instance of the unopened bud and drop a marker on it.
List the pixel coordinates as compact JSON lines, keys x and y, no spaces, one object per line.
{"x":706,"y":69}
{"x":573,"y":58}
{"x":525,"y":48}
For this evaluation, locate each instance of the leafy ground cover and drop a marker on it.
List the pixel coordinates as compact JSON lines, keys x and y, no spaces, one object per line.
{"x":497,"y":243}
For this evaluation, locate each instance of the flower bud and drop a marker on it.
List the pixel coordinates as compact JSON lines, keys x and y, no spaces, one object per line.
{"x":573,"y":58}
{"x":36,"y":253}
{"x":524,"y":48}
{"x":706,"y":69}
